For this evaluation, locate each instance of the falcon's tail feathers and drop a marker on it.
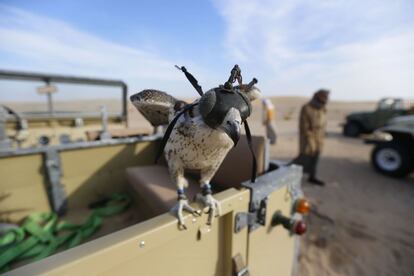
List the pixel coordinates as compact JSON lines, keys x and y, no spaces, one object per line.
{"x":156,"y":106}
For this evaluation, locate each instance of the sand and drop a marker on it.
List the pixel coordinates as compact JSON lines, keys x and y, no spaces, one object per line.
{"x":363,"y":222}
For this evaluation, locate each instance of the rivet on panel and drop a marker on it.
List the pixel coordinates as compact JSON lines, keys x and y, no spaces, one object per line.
{"x":142,"y":244}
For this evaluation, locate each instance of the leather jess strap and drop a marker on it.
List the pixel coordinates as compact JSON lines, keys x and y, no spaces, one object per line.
{"x":170,"y":128}
{"x":249,"y":142}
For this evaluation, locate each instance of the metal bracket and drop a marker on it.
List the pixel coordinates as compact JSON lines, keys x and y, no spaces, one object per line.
{"x":252,"y":219}
{"x":239,"y":267}
{"x":261,"y":212}
{"x":105,"y":134}
{"x":289,"y":175}
{"x":243,"y":272}
{"x":56,"y":191}
{"x":5,"y":143}
{"x":242,"y":220}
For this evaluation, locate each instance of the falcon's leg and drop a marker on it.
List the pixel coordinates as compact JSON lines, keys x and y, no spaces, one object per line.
{"x":182,"y":204}
{"x":214,"y":208}
{"x":206,"y":197}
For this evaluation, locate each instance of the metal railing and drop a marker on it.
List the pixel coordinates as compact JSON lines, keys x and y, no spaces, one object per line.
{"x":51,"y":78}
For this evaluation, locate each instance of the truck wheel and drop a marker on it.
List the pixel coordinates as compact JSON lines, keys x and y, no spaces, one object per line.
{"x":351,"y":129}
{"x":391,"y":159}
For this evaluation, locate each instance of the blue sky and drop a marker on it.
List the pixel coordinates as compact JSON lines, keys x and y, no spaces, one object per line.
{"x":359,"y":49}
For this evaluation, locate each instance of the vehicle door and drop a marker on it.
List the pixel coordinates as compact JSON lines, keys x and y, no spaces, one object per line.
{"x":387,"y":108}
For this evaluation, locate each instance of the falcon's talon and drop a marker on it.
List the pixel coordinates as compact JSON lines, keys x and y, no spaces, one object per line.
{"x":178,"y":211}
{"x":197,"y":213}
{"x":213,"y":206}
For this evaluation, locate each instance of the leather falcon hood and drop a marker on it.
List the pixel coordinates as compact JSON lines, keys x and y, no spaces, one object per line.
{"x":216,"y":103}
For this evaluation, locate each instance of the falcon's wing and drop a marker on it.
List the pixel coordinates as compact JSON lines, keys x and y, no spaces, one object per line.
{"x":156,"y":106}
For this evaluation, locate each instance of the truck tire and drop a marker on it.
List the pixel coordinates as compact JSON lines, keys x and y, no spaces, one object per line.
{"x":392,"y":159}
{"x":352,"y":129}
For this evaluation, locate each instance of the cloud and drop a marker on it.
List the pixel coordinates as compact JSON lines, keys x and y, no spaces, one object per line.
{"x":359,"y":49}
{"x":36,"y":43}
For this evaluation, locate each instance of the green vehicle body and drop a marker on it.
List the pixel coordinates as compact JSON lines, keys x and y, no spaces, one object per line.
{"x":393,"y":153}
{"x":366,"y":122}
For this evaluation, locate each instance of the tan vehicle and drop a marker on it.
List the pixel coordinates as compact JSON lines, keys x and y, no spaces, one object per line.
{"x":56,"y":122}
{"x":255,"y":234}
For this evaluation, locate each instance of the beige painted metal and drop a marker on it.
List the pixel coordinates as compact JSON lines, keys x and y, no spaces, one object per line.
{"x":57,"y":121}
{"x":22,"y":187}
{"x":55,"y":127}
{"x":47,"y":89}
{"x":91,"y":173}
{"x":88,"y":175}
{"x":157,"y":247}
{"x":271,"y":249}
{"x":153,"y":247}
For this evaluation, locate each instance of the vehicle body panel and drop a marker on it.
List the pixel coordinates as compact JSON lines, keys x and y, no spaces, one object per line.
{"x":402,"y":125}
{"x":199,"y":250}
{"x":373,"y":120}
{"x":87,"y":174}
{"x":167,"y":250}
{"x":264,"y":241}
{"x":369,"y":121}
{"x":393,"y":153}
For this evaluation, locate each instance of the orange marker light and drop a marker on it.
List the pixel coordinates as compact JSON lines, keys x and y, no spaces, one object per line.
{"x":302,"y":206}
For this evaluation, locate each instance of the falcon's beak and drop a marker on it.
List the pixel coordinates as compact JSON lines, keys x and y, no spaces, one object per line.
{"x":232,"y":129}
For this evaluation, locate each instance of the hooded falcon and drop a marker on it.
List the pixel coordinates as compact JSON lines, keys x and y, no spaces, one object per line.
{"x":203,"y":134}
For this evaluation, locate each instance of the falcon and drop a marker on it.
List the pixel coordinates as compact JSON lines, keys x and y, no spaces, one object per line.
{"x":200,"y":137}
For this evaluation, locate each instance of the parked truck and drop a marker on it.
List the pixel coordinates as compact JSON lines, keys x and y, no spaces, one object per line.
{"x":393,"y":154}
{"x":366,"y":122}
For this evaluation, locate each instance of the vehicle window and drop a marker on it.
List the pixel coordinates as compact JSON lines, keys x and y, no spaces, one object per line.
{"x":387,"y":104}
{"x":398,"y":104}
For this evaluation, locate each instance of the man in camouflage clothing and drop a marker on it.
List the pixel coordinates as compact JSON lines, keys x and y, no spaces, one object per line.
{"x":312,"y":125}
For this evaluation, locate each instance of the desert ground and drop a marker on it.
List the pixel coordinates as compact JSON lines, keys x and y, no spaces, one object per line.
{"x":362,"y":222}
